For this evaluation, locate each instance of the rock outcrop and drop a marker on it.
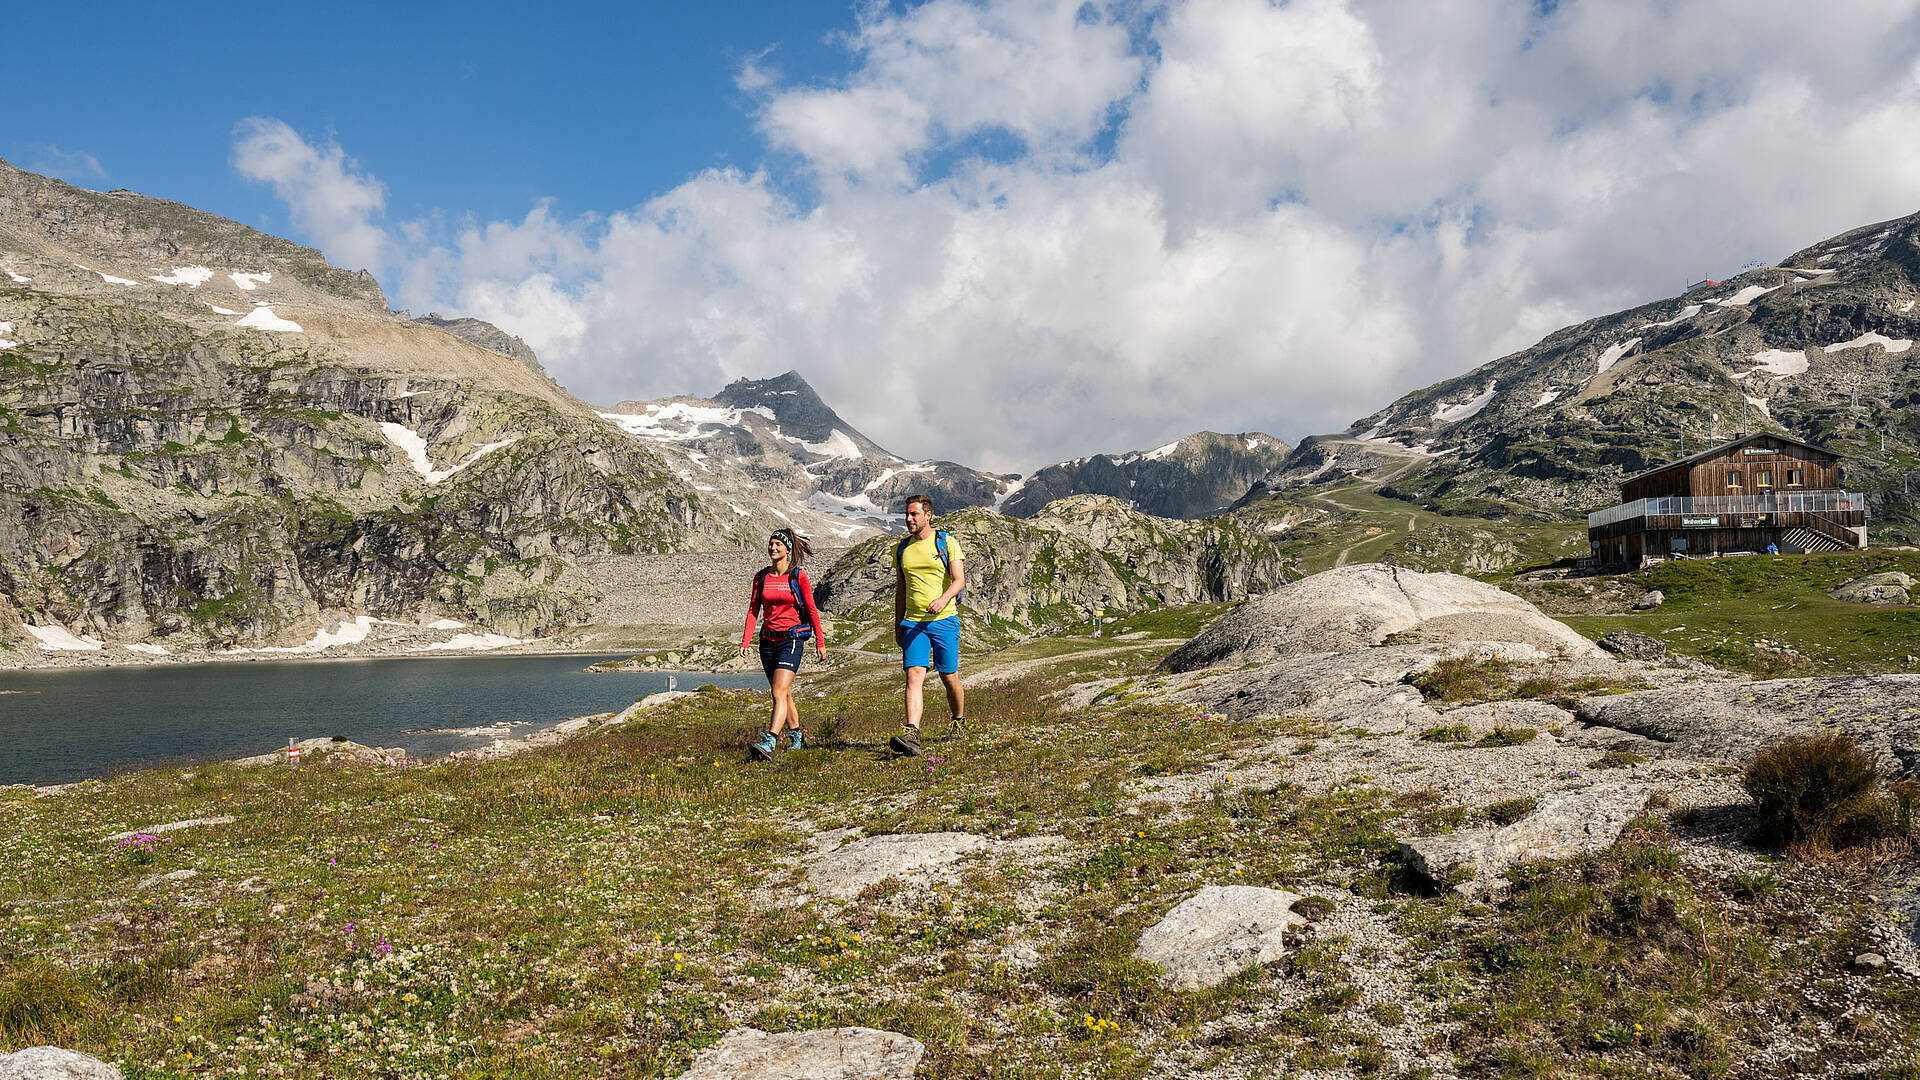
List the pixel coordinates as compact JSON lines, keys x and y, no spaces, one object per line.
{"x":169,"y":465}
{"x":1197,"y":476}
{"x":1565,"y":825}
{"x":1078,"y":555}
{"x":1353,"y":607}
{"x":54,"y":1063}
{"x":1889,"y":588}
{"x":1731,"y":722}
{"x":1219,"y":932}
{"x":847,"y":1053}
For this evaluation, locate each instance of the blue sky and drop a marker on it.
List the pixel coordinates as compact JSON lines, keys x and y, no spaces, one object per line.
{"x":1005,"y":232}
{"x":478,"y":108}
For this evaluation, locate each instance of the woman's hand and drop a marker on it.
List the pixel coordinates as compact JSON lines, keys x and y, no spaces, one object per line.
{"x":743,"y":648}
{"x":820,"y":652}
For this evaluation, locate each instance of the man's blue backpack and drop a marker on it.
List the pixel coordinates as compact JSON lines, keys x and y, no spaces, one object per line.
{"x":939,"y":546}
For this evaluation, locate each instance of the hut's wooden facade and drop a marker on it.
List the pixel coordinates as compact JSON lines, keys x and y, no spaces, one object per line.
{"x":1756,"y":492}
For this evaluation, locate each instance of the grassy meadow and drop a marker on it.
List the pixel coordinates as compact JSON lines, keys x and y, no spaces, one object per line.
{"x":610,"y":907}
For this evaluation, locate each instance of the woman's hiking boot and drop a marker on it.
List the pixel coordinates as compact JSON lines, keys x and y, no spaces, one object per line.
{"x":764,"y":746}
{"x":796,"y":739}
{"x":907,"y":743}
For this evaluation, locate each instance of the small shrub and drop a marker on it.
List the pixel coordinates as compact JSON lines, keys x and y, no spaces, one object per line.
{"x":1537,"y":686}
{"x":830,"y":729}
{"x":1824,"y":792}
{"x":1462,"y":678}
{"x":1447,"y":733}
{"x":1619,"y":759}
{"x":1756,"y":886}
{"x":1506,"y":736}
{"x":1510,"y":811}
{"x":1313,"y":908}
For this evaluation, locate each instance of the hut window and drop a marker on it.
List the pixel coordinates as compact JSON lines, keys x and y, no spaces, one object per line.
{"x":1733,"y":478}
{"x":1793,"y":477}
{"x":1763,"y":477}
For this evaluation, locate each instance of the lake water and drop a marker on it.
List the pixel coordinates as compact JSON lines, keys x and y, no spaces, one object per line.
{"x":69,"y":724}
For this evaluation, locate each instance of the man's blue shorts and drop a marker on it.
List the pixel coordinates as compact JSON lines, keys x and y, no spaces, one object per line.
{"x":940,"y":638}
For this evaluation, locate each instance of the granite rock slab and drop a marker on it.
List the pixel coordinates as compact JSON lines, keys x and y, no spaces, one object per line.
{"x":845,"y":1053}
{"x":1219,"y":932}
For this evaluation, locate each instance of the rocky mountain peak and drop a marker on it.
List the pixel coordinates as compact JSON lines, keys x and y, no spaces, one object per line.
{"x":795,"y":406}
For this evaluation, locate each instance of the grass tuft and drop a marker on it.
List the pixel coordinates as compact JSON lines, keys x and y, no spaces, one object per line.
{"x":1821,"y":792}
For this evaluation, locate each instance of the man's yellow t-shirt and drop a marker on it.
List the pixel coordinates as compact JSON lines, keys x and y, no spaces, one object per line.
{"x":927,"y":578}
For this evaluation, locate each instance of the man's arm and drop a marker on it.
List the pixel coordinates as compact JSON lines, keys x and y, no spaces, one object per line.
{"x":957,"y":580}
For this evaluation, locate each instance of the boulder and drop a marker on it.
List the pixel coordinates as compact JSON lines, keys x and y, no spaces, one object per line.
{"x":1633,"y":646}
{"x":1353,"y":607}
{"x":1730,"y":722}
{"x":846,"y":1053}
{"x":1365,"y":689}
{"x":1889,"y":588}
{"x":1565,"y":825}
{"x":1219,"y":932}
{"x":1651,"y":599}
{"x":842,"y":873}
{"x":54,"y":1063}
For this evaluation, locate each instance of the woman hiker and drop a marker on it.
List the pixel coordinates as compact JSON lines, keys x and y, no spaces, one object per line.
{"x":783,"y":598}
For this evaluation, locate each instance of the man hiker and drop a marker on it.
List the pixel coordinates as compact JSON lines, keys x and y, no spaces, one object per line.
{"x":928,"y":575}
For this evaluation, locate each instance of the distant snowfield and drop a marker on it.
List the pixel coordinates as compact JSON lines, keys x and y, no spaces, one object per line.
{"x":191,"y":276}
{"x":677,"y":421}
{"x":415,"y":447}
{"x":471,"y":643}
{"x":5,"y":329}
{"x":1546,"y":397}
{"x":1778,"y":363}
{"x":1761,"y":404}
{"x":1745,"y":296}
{"x":1159,"y":453}
{"x":1686,"y":313}
{"x":263,"y":318}
{"x":58,"y":639}
{"x":1448,"y":414}
{"x":837,"y":444}
{"x":146,"y":647}
{"x":446,"y":624}
{"x":17,"y":279}
{"x":248,"y":282}
{"x":106,"y":277}
{"x":1906,"y":307}
{"x":220,"y":310}
{"x":351,"y":632}
{"x":1614,"y":353}
{"x":1892,"y":345}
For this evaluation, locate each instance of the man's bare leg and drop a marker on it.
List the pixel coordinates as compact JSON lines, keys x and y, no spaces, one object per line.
{"x":956,"y":697}
{"x":916,"y":682}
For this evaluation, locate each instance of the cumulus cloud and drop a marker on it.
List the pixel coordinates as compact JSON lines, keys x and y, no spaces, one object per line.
{"x":1021,"y":230}
{"x":330,"y":201}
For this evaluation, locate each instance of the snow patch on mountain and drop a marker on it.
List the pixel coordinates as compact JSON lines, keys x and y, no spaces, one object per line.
{"x":1614,"y":353}
{"x":59,"y":639}
{"x":263,"y":318}
{"x":415,"y":447}
{"x":106,"y":277}
{"x":1546,"y":397}
{"x":1449,"y":414}
{"x":1778,"y":363}
{"x":248,"y":282}
{"x":191,"y":276}
{"x":1891,"y":345}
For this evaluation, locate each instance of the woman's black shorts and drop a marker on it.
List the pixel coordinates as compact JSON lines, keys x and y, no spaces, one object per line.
{"x":781,"y":654}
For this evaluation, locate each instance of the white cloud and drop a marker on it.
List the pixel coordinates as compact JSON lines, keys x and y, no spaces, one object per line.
{"x":1025,"y":231}
{"x":330,"y":200}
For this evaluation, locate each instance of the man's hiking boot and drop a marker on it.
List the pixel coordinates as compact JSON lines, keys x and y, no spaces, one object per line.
{"x":959,"y":727}
{"x":764,"y":746}
{"x":796,"y":739}
{"x":907,"y":743}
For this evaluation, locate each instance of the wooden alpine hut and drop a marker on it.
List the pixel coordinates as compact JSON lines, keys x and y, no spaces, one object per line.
{"x":1756,"y":493}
